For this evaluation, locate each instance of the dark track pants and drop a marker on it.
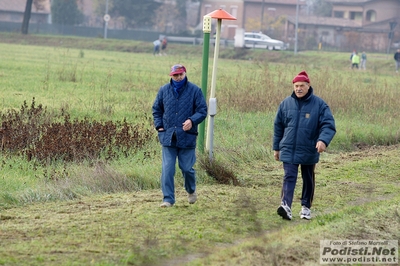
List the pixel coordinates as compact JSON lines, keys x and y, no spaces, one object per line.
{"x":289,"y":183}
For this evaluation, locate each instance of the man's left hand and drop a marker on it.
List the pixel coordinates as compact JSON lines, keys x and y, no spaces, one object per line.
{"x":187,"y":125}
{"x":321,"y":147}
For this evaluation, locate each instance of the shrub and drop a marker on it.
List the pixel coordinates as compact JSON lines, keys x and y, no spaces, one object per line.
{"x":36,"y":134}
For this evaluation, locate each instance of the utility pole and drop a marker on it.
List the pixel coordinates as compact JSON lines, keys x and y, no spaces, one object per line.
{"x":262,"y":15}
{"x":106,"y":19}
{"x":296,"y":27}
{"x":392,"y":25}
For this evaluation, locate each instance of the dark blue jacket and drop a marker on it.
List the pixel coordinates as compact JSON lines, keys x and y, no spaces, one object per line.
{"x":170,"y":110}
{"x":299,"y":125}
{"x":397,"y":56}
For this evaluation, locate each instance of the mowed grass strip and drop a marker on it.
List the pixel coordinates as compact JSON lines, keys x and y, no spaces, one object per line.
{"x":228,"y":225}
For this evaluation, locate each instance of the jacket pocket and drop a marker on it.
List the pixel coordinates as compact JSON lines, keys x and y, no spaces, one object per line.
{"x":161,"y":135}
{"x":192,"y":133}
{"x":190,"y":139}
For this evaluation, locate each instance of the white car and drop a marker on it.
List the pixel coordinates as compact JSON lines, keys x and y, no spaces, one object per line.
{"x":259,"y":40}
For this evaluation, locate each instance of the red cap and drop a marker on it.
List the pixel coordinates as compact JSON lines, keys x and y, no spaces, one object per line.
{"x":302,"y":77}
{"x":177,"y":69}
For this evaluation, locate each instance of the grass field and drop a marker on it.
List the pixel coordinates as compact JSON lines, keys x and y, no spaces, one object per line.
{"x":104,"y":211}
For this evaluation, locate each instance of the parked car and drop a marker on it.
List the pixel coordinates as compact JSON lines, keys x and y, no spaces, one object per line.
{"x":259,"y":40}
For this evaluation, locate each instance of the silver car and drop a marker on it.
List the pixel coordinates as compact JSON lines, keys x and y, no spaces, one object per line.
{"x":259,"y":40}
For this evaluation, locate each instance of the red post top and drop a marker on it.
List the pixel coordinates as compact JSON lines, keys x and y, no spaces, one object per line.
{"x":221,"y":14}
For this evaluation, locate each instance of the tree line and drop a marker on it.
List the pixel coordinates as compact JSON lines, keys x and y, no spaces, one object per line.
{"x":157,"y":14}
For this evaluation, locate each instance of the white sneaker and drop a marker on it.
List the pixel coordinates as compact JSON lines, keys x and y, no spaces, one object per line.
{"x":285,"y":212}
{"x":192,"y":197}
{"x":305,"y":213}
{"x":165,"y":204}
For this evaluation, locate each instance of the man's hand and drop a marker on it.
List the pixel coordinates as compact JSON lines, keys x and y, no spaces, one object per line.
{"x":321,"y":147}
{"x":187,"y":125}
{"x":276,"y":155}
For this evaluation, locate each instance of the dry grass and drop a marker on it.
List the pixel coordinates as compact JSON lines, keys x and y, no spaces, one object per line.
{"x":38,"y":135}
{"x":218,"y":171}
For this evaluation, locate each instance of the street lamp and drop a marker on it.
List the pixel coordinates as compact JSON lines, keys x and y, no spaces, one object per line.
{"x":296,"y":27}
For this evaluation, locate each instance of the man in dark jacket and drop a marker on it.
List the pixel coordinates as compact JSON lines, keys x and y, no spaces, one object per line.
{"x":303,"y":128}
{"x":397,"y":60}
{"x":178,"y":109}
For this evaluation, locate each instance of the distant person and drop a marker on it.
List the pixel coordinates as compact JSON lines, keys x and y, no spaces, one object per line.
{"x":178,"y":109}
{"x":363,"y":65}
{"x":355,"y":60}
{"x":156,"y":44}
{"x":351,"y":57}
{"x":164,"y":46}
{"x":303,"y":128}
{"x":397,"y":60}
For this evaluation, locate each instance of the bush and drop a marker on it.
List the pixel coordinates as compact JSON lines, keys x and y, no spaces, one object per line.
{"x":35,"y":133}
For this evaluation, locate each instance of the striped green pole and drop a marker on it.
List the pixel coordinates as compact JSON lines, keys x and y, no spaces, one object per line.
{"x":204,"y":73}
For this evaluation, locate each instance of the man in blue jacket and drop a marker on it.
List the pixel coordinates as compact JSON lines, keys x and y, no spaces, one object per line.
{"x":178,"y":109}
{"x":303,"y":128}
{"x":397,"y":60}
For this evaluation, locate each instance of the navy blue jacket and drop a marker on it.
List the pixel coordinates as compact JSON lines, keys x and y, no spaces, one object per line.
{"x":299,"y":125}
{"x":170,"y":110}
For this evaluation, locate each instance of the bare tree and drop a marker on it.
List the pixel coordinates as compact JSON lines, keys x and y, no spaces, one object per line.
{"x":39,"y":5}
{"x":165,"y":17}
{"x":27,"y":17}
